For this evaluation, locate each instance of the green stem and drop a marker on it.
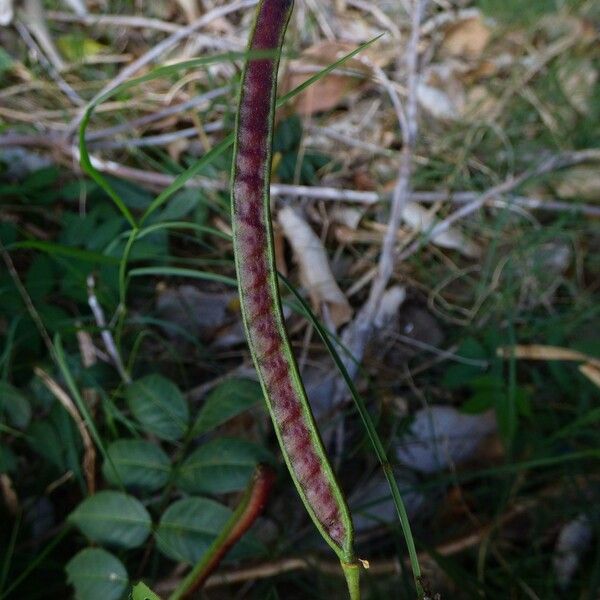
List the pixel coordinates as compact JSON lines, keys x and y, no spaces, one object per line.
{"x":240,"y":521}
{"x":352,"y":575}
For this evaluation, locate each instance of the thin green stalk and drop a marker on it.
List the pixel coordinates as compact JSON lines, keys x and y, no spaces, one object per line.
{"x":39,"y":558}
{"x":238,"y":523}
{"x":9,"y":551}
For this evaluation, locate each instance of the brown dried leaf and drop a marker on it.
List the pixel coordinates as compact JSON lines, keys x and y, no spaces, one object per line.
{"x":542,"y":352}
{"x":581,"y":182}
{"x":466,"y":39}
{"x":7,"y":490}
{"x":422,"y":220}
{"x":328,"y":91}
{"x":314,"y":266}
{"x":481,"y":104}
{"x":441,"y":93}
{"x":578,"y":79}
{"x":89,"y":450}
{"x":592,"y":372}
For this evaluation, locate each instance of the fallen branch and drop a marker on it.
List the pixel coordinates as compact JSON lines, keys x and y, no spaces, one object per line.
{"x":281,"y":190}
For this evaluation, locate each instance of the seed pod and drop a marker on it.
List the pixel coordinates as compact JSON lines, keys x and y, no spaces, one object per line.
{"x":259,"y":295}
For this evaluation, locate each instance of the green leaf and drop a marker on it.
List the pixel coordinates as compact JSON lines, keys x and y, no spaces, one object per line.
{"x":97,"y":575}
{"x":183,"y":272}
{"x":77,"y":48}
{"x":68,"y":252}
{"x":6,"y":61}
{"x":8,"y":460}
{"x":182,"y":204}
{"x":132,"y":194}
{"x":459,"y":375}
{"x":189,"y":526}
{"x":488,"y":383}
{"x":57,"y":440}
{"x":522,"y":399}
{"x":227,"y":400}
{"x":54,"y":318}
{"x":221,"y":465}
{"x":113,"y":518}
{"x":39,"y":280}
{"x":42,"y":179}
{"x":137,"y":464}
{"x":288,"y":134}
{"x":14,"y":405}
{"x":479,"y":402}
{"x":159,"y":406}
{"x":142,"y":592}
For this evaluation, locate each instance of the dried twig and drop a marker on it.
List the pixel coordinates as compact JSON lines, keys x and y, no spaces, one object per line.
{"x":553,"y":163}
{"x":544,"y":352}
{"x":34,"y":18}
{"x":52,"y":69}
{"x":114,"y":21}
{"x":161,"y":139}
{"x":356,"y":335}
{"x":107,"y":337}
{"x":282,"y":190}
{"x":89,"y":452}
{"x":378,"y":15}
{"x":33,"y":313}
{"x":195,"y":103}
{"x":393,"y":566}
{"x":163,"y":47}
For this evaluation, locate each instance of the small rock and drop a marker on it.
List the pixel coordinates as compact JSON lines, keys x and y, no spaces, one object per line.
{"x":441,"y":436}
{"x":571,"y":544}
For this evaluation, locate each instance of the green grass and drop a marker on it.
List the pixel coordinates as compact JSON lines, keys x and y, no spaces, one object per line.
{"x":544,"y":463}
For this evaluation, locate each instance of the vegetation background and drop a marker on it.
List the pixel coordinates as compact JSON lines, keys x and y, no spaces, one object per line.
{"x":130,"y":418}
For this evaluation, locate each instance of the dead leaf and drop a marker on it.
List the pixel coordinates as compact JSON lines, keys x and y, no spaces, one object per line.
{"x":466,"y":39}
{"x":177,"y":148}
{"x":592,"y":372}
{"x":571,"y":544}
{"x":441,"y":93}
{"x":556,"y":25}
{"x":578,"y":80}
{"x":6,"y":12}
{"x":390,"y":303}
{"x":422,"y":220}
{"x":436,"y":102}
{"x":7,"y":490}
{"x":441,"y":436}
{"x":327,"y":92}
{"x":581,"y":183}
{"x":542,"y":352}
{"x":89,"y":450}
{"x":32,"y":13}
{"x":315,"y":271}
{"x":346,"y":235}
{"x":480,"y":104}
{"x":347,"y":215}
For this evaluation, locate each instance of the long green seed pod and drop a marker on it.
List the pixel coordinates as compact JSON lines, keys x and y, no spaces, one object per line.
{"x":259,"y":295}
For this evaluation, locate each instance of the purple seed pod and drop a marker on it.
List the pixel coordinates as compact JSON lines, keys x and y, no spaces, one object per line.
{"x":259,"y":294}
